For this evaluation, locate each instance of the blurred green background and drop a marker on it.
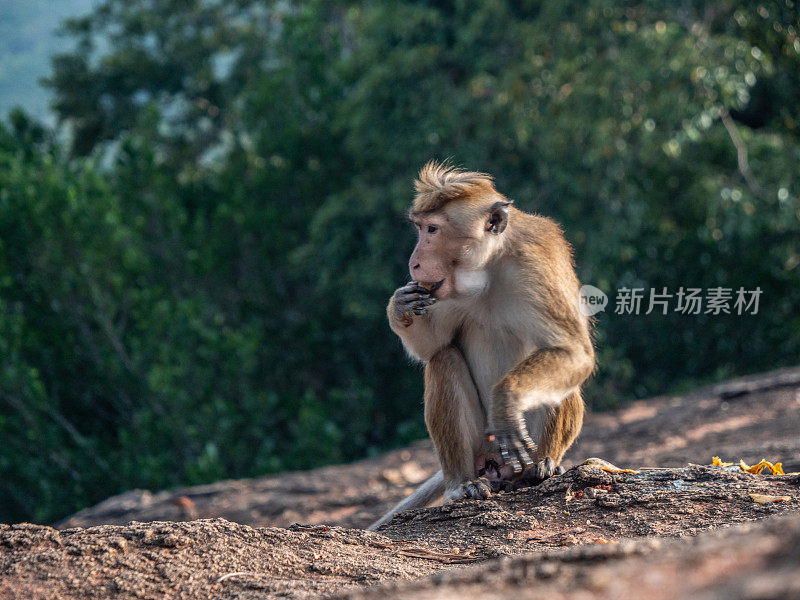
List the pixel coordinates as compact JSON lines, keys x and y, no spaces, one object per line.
{"x":195,"y":256}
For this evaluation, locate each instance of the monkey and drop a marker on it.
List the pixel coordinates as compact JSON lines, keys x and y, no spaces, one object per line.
{"x":492,"y":312}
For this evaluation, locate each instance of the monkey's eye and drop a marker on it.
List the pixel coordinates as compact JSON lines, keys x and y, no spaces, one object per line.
{"x":433,"y":228}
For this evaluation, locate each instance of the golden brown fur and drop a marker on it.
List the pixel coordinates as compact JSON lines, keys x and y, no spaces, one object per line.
{"x":450,"y":411}
{"x":439,"y":184}
{"x":563,"y":426}
{"x":505,"y":345}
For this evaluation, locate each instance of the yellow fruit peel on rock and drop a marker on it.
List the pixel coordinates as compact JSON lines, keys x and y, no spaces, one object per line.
{"x":606,"y":466}
{"x":767,"y":499}
{"x":756,"y":469}
{"x":774,"y":469}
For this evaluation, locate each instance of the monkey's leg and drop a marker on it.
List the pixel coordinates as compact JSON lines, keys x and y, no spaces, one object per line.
{"x":556,"y":432}
{"x":542,"y":380}
{"x":456,"y":422}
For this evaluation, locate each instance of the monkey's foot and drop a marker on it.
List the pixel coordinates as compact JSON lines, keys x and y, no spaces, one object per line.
{"x":481,"y":488}
{"x":477,"y":489}
{"x":544,"y":469}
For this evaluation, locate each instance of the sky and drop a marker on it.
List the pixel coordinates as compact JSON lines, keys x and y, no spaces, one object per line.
{"x":27,"y":40}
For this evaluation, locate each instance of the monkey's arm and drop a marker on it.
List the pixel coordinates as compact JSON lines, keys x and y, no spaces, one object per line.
{"x":544,"y":378}
{"x":422,"y":330}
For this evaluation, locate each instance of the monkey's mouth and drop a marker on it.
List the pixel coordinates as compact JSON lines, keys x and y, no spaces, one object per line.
{"x":432,"y":287}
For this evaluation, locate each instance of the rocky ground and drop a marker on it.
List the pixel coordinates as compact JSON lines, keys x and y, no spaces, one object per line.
{"x":672,"y":529}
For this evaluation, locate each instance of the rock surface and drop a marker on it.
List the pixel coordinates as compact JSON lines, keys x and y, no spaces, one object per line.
{"x":678,"y":531}
{"x":586,"y":507}
{"x":750,"y":418}
{"x":746,"y":562}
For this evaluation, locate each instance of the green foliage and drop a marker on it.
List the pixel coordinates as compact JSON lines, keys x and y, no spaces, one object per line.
{"x":195,"y":289}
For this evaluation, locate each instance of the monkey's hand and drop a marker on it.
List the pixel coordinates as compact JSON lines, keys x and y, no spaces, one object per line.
{"x":513,"y":442}
{"x":409,"y":300}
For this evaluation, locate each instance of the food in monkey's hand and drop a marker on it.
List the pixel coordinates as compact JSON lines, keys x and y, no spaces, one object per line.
{"x":411,"y":300}
{"x":408,"y":316}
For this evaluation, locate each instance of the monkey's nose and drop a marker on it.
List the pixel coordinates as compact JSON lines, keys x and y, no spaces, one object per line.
{"x":415,"y":267}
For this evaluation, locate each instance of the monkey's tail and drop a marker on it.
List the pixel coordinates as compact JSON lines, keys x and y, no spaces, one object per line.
{"x":425,"y":494}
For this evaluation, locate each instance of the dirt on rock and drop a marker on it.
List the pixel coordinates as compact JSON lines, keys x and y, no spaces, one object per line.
{"x":587,"y":533}
{"x":216,"y":558}
{"x":746,"y":562}
{"x":749,"y":418}
{"x":350,"y":495}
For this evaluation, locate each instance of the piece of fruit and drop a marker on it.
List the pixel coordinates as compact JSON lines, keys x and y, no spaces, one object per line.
{"x":767,"y":499}
{"x":606,"y":466}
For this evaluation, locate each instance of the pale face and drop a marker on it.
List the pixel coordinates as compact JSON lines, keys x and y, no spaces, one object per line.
{"x":452,"y":248}
{"x":436,"y":255}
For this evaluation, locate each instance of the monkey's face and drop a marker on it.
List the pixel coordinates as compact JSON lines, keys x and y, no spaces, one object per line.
{"x":436,"y":254}
{"x":455,"y":244}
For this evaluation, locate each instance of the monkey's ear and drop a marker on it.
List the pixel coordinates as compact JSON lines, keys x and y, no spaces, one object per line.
{"x":498,"y":217}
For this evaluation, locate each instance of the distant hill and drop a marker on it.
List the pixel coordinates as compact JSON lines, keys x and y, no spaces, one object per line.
{"x":27,"y":40}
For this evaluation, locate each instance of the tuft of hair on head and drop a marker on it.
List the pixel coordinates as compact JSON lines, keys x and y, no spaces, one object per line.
{"x":440,"y":183}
